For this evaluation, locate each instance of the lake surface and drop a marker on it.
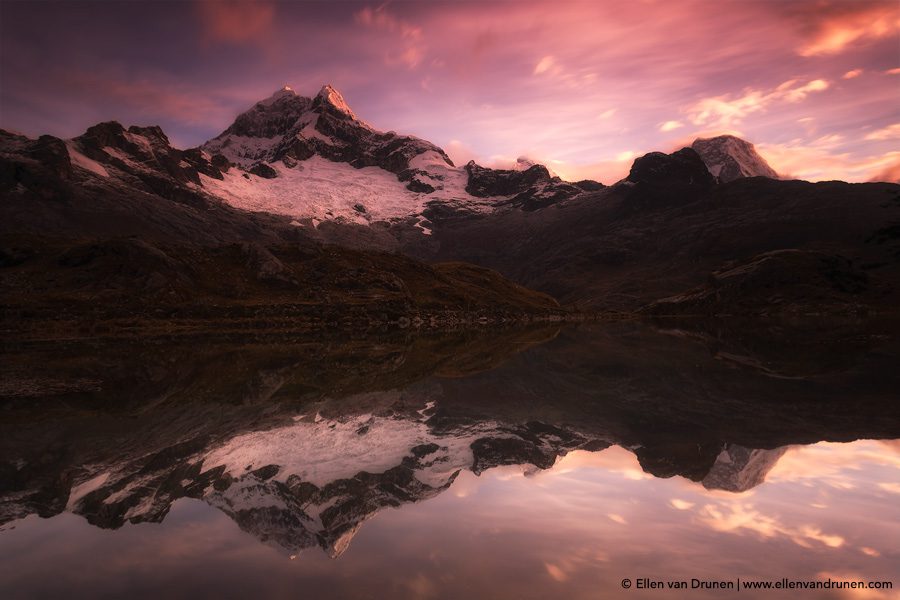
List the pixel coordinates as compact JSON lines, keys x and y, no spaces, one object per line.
{"x":541,"y":463}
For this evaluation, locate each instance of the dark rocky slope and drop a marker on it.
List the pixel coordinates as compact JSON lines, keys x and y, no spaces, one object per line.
{"x":113,"y":226}
{"x":669,"y":227}
{"x":803,"y":282}
{"x":130,"y":286}
{"x":117,"y":182}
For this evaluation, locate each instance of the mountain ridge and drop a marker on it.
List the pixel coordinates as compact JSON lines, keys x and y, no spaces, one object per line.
{"x":310,"y":171}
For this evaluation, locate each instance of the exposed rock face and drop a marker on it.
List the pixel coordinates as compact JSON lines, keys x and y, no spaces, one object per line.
{"x":269,"y":118}
{"x":536,"y":444}
{"x":330,"y":101}
{"x":144,"y":152}
{"x":667,"y":180}
{"x":691,"y":460}
{"x":289,"y":125}
{"x":684,"y":167}
{"x":589,"y":185}
{"x":729,"y":158}
{"x":113,"y":181}
{"x":263,"y":170}
{"x":494,"y":182}
{"x":530,"y":188}
{"x":41,"y":165}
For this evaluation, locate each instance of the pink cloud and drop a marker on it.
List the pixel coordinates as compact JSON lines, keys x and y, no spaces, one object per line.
{"x":891,"y":132}
{"x":728,"y":110}
{"x":236,"y":21}
{"x":459,"y":152}
{"x":670,"y":126}
{"x":824,"y":159}
{"x":411,"y":50}
{"x":852,"y":25}
{"x":544,"y":65}
{"x":148,"y":96}
{"x":380,"y":18}
{"x":889,"y":173}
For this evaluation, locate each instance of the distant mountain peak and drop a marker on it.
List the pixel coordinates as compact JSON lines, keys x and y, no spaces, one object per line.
{"x":728,"y":158}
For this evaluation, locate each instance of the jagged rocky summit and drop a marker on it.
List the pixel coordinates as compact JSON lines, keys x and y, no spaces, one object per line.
{"x":373,"y":175}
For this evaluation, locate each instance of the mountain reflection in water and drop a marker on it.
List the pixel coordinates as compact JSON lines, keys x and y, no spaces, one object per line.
{"x":527,"y":463}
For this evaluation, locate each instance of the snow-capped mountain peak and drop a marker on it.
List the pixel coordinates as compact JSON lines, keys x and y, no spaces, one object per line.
{"x":328,"y":96}
{"x":314,"y":160}
{"x":268,"y":118}
{"x":523,"y":163}
{"x":728,"y":158}
{"x":280,"y":95}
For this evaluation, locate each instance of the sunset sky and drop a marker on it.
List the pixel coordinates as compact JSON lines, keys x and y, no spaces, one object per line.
{"x":582,"y":87}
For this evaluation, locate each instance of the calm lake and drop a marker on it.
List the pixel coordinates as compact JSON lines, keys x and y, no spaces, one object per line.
{"x":536,"y":463}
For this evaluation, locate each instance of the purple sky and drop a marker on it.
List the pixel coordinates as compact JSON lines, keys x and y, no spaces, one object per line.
{"x":583,"y":87}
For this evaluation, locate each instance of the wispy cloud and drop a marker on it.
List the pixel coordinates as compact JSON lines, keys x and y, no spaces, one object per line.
{"x":671,"y":126}
{"x":728,"y":110}
{"x":891,"y":132}
{"x":544,"y":65}
{"x":741,"y":518}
